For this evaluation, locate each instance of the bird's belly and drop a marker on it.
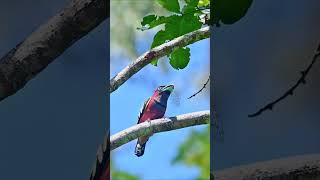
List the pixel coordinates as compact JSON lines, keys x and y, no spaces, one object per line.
{"x":152,"y":114}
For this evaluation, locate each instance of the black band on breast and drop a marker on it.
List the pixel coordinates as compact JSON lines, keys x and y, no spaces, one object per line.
{"x":160,"y":104}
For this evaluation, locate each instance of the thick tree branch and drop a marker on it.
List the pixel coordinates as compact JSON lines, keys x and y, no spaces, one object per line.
{"x":297,"y":167}
{"x":155,"y":53}
{"x":159,"y":125}
{"x":301,"y":80}
{"x":49,"y":41}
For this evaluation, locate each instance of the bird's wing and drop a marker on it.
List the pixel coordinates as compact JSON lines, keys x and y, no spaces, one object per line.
{"x":145,"y":104}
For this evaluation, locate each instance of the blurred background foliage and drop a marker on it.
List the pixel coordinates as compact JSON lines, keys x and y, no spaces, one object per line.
{"x":195,"y":151}
{"x":127,"y":43}
{"x":118,"y":174}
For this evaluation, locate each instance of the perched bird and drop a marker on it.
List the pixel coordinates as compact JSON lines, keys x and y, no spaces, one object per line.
{"x":153,"y":108}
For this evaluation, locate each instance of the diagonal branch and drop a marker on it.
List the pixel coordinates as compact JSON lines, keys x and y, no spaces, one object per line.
{"x":49,"y":41}
{"x":159,"y":125}
{"x":297,"y":167}
{"x":155,"y":53}
{"x":204,"y":86}
{"x":301,"y":80}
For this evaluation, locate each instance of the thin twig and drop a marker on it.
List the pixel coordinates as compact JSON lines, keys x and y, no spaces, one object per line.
{"x":301,"y":80}
{"x":204,"y":86}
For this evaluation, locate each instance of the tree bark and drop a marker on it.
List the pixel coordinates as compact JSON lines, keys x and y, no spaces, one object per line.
{"x":297,"y":167}
{"x":159,"y":125}
{"x":49,"y":41}
{"x":156,"y":53}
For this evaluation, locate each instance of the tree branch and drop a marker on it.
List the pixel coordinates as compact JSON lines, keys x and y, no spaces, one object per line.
{"x":49,"y":41}
{"x":301,"y":80}
{"x":155,"y":53}
{"x":159,"y":125}
{"x":204,"y":86}
{"x":297,"y":167}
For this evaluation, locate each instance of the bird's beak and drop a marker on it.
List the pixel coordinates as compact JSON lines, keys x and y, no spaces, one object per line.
{"x":168,"y":88}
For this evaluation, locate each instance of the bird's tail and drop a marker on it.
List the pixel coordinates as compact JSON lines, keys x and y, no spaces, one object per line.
{"x":139,"y":150}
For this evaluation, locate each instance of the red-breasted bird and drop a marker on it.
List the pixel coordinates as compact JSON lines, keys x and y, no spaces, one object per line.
{"x":153,"y":108}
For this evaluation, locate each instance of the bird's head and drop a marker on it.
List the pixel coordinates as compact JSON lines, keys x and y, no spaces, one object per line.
{"x":162,"y":93}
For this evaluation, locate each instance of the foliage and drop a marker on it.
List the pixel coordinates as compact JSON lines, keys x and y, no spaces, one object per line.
{"x":182,"y":21}
{"x":124,"y":17}
{"x":195,"y":151}
{"x":176,"y":55}
{"x":117,"y":174}
{"x":229,"y":11}
{"x":187,"y":19}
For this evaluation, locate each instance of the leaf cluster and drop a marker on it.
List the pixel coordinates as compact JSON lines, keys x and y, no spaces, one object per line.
{"x":186,"y":19}
{"x":117,"y":174}
{"x":182,"y":21}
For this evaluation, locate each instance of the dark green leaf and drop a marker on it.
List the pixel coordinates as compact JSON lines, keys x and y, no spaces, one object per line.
{"x":160,"y":38}
{"x":193,"y":3}
{"x":180,"y":58}
{"x":172,"y":26}
{"x":176,"y":26}
{"x":170,"y":5}
{"x":230,"y":11}
{"x":148,"y":19}
{"x":151,"y":21}
{"x":189,"y":9}
{"x":189,"y":23}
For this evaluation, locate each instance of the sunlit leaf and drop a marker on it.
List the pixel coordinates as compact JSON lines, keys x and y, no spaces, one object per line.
{"x":170,"y":5}
{"x":203,"y":3}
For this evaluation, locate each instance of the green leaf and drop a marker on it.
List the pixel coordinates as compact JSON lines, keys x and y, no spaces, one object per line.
{"x":148,"y":19}
{"x":151,"y":21}
{"x":229,"y":11}
{"x":180,"y":58}
{"x":204,"y":3}
{"x":175,"y":26}
{"x":160,"y":38}
{"x":170,"y":5}
{"x":154,"y":62}
{"x":193,"y":3}
{"x":189,"y":23}
{"x":189,"y":9}
{"x":180,"y":25}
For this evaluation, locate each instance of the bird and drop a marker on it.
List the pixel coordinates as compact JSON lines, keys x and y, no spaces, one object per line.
{"x":153,"y":108}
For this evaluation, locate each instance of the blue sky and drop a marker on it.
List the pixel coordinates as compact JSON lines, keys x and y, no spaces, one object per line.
{"x":127,"y":101}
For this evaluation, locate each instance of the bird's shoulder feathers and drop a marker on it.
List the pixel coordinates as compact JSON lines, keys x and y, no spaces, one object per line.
{"x":143,"y":108}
